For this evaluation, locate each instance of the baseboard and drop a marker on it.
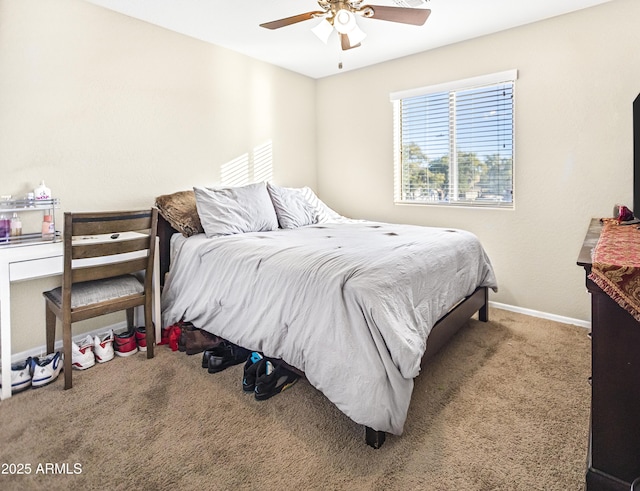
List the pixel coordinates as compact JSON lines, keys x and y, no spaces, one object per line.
{"x":42,"y":350}
{"x":541,"y":315}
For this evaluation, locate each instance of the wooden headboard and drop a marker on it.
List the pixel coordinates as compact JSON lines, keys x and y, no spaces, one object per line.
{"x":165,"y":231}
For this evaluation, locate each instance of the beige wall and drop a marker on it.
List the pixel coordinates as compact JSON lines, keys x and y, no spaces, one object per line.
{"x":578,"y":76}
{"x":111,"y":112}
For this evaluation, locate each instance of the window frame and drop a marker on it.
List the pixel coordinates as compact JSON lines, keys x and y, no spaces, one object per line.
{"x":494,"y":79}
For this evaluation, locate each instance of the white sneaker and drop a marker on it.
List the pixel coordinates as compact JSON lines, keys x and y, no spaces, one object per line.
{"x":46,"y":370}
{"x":20,"y":376}
{"x":103,"y":347}
{"x":82,"y":354}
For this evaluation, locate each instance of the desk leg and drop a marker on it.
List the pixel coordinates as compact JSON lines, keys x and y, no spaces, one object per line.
{"x":157,"y":313}
{"x":5,"y":329}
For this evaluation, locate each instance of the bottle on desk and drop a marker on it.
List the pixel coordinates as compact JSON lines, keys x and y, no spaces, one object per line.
{"x":42,"y":192}
{"x":48,"y":228}
{"x":5,"y":228}
{"x":16,"y":226}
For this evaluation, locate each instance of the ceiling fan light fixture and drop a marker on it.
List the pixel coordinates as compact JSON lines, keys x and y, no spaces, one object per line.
{"x":323,"y":30}
{"x":356,"y":35}
{"x":341,"y":15}
{"x":344,"y":21}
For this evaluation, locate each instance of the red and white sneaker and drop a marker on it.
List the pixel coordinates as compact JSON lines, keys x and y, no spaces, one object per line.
{"x":124,"y":344}
{"x":82,"y":354}
{"x":141,"y":338}
{"x":103,"y":347}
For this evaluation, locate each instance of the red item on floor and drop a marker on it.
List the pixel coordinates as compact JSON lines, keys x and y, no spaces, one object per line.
{"x":174,"y":336}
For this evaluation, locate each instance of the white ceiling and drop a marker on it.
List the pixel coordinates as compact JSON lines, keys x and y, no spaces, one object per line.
{"x":234,"y":24}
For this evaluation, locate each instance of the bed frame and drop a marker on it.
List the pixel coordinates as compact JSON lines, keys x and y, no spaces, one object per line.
{"x":443,"y":330}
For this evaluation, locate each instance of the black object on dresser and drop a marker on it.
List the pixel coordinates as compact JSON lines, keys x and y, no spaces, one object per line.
{"x":613,"y":460}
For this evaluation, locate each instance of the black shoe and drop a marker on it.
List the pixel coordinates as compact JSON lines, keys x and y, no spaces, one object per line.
{"x":214,"y":350}
{"x":272,"y":378}
{"x":226,"y":355}
{"x":250,"y":368}
{"x":206,"y":354}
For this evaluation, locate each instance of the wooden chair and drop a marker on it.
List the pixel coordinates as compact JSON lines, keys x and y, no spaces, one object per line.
{"x":104,"y":254}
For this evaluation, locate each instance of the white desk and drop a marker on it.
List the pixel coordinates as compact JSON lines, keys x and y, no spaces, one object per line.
{"x":39,"y":261}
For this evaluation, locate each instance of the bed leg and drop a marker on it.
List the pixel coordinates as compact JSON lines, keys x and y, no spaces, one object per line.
{"x":483,"y":313}
{"x":374,"y":438}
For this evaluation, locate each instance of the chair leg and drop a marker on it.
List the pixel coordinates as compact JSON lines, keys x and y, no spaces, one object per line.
{"x":66,"y":349}
{"x":51,"y":328}
{"x":130,"y":322}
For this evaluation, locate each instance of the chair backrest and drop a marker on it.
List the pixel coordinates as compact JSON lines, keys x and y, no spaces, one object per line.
{"x":102,"y":245}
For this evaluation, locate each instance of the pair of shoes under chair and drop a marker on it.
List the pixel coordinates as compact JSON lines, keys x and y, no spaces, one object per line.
{"x":130,"y":342}
{"x":92,"y":349}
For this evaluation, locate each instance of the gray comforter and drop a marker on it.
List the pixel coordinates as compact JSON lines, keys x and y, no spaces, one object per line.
{"x":350,"y":304}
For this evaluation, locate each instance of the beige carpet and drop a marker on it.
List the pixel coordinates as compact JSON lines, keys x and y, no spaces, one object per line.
{"x":505,"y":406}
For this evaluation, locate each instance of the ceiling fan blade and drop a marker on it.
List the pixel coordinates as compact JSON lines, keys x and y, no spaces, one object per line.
{"x":287,"y":21}
{"x":417,"y":17}
{"x":345,"y":43}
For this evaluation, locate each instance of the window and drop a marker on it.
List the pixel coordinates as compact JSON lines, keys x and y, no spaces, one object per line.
{"x":454,"y":143}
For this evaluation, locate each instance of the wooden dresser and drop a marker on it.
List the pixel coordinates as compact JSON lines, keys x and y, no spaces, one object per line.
{"x":613,"y":461}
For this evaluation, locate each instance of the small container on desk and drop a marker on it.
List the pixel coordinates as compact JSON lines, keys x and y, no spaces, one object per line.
{"x":18,"y":208}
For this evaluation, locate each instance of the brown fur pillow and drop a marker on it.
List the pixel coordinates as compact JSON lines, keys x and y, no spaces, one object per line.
{"x":179,"y":209}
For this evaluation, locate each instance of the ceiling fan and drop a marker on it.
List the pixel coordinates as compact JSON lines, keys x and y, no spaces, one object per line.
{"x":341,"y":16}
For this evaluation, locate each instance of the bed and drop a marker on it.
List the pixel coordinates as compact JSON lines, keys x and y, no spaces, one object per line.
{"x":353,"y":305}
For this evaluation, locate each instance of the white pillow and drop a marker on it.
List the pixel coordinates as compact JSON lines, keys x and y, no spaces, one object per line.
{"x":292,"y":208}
{"x":321,"y":211}
{"x":234,"y":210}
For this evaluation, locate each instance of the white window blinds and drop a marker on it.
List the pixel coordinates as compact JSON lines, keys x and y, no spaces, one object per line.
{"x":455,"y":143}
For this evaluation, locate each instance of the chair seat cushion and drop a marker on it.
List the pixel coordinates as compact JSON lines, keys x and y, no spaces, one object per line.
{"x":90,"y":292}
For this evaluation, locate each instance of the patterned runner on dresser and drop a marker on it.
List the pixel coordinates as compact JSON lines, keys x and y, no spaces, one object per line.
{"x":616,"y":264}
